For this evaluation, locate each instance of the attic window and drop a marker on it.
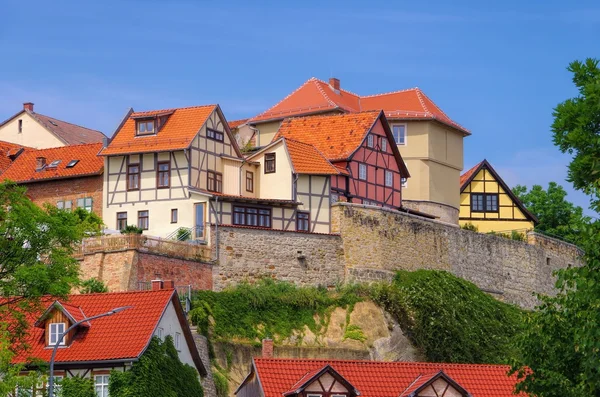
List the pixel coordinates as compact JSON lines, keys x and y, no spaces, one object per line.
{"x":53,"y":164}
{"x":72,"y":163}
{"x":55,"y":330}
{"x":145,"y":127}
{"x":53,"y":123}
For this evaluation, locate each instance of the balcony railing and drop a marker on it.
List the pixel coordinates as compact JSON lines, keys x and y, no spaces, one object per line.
{"x":147,"y":244}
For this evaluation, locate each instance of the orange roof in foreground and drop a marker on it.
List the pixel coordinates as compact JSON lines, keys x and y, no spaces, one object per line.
{"x":306,"y":159}
{"x":317,"y":96}
{"x":124,"y":335}
{"x":335,"y":136}
{"x":24,"y":168}
{"x":385,"y":379}
{"x":7,"y":149}
{"x":177,"y":133}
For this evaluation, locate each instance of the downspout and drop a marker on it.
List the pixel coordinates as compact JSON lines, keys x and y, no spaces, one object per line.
{"x":295,"y":187}
{"x":257,"y":134}
{"x":216,"y":229}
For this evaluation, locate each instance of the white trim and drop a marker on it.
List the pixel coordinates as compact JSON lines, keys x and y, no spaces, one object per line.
{"x":54,"y":333}
{"x":405,"y":133}
{"x":389,"y":174}
{"x":362,"y":166}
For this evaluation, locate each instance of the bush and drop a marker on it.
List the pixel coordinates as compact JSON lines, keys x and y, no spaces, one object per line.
{"x":221,"y":383}
{"x":92,"y":285}
{"x":470,"y":226}
{"x":517,"y":236}
{"x":132,"y":229}
{"x":76,"y":386}
{"x":183,"y":234}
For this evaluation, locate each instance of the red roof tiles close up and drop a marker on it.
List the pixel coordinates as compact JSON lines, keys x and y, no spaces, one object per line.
{"x":8,"y":153}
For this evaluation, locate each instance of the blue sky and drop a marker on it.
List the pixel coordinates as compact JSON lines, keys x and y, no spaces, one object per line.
{"x":498,"y":68}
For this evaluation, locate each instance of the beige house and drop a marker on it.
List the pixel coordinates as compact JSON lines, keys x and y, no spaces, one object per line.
{"x":28,"y":128}
{"x":430,"y":142}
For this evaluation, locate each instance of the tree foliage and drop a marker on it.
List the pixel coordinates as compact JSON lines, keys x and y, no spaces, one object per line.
{"x":92,"y":286}
{"x":158,"y":373}
{"x":557,"y":217}
{"x":76,"y":386}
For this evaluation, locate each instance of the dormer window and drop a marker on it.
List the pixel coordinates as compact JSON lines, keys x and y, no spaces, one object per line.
{"x":145,"y":127}
{"x":55,"y":330}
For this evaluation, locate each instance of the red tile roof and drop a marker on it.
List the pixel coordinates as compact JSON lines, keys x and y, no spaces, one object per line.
{"x":306,"y":159}
{"x":24,"y":168}
{"x":177,"y":133}
{"x":124,"y":335}
{"x":7,"y":150}
{"x":468,"y":174}
{"x":385,"y":379}
{"x":335,"y":136}
{"x":236,"y":123}
{"x":316,"y":96}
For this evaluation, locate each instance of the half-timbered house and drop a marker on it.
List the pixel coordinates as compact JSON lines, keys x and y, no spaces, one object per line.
{"x":489,"y":204}
{"x":359,"y":145}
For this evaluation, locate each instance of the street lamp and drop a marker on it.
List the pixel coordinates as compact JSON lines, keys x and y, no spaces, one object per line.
{"x":60,"y":338}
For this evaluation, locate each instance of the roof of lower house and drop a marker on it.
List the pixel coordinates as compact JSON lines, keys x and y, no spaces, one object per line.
{"x":180,"y":128}
{"x":236,"y":123}
{"x":316,"y":96}
{"x":8,"y":153}
{"x":85,"y":158}
{"x":123,"y":336}
{"x":384,"y":379}
{"x":69,"y":133}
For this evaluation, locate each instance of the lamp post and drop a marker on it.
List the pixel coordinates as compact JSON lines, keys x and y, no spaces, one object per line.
{"x":60,"y":338}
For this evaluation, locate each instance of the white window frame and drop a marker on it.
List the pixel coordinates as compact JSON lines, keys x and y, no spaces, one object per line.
{"x":159,"y":333}
{"x":177,"y":340}
{"x":384,"y":144}
{"x":389,"y":178}
{"x":54,"y":333}
{"x":362,"y":167}
{"x":314,"y":395}
{"x":101,"y":384}
{"x":85,"y":201}
{"x":405,"y":134}
{"x":370,"y":140}
{"x":145,"y":131}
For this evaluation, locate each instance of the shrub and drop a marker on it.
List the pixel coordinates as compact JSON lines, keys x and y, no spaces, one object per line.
{"x":183,"y":234}
{"x":93,"y":285}
{"x":470,"y":226}
{"x":132,"y":229}
{"x":76,"y":386}
{"x":221,"y":383}
{"x":517,"y":236}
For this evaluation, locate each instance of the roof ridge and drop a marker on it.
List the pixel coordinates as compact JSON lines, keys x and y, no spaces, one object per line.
{"x":390,"y":93}
{"x":289,"y":95}
{"x":418,"y":91}
{"x":174,"y":109}
{"x":333,"y":115}
{"x":331,"y":102}
{"x":30,"y":149}
{"x":369,"y":362}
{"x":341,"y":89}
{"x":66,"y":122}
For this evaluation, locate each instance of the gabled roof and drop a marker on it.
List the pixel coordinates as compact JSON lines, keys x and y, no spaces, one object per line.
{"x":316,"y":96}
{"x":24,"y":168}
{"x":384,"y":379}
{"x":423,"y":381}
{"x":121,"y":337}
{"x":467,"y":177}
{"x":72,"y":312}
{"x":70,"y":134}
{"x":313,"y":375}
{"x":236,"y":123}
{"x":8,"y":153}
{"x":177,"y":133}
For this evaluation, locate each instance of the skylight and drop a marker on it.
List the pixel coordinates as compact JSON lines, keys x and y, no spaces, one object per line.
{"x":53,"y":123}
{"x":72,"y":163}
{"x":53,"y":164}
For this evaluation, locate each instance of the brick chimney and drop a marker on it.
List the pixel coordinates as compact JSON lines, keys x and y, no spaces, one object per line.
{"x":267,"y":348}
{"x":334,"y":83}
{"x":157,"y":285}
{"x":40,"y":162}
{"x":169,"y":284}
{"x":28,"y":106}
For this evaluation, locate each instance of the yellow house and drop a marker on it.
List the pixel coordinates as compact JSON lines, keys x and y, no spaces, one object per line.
{"x":28,"y":128}
{"x":431,"y":144}
{"x":490,"y":205}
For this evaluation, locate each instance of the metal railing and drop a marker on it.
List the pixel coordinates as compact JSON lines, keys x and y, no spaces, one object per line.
{"x":183,"y":291}
{"x":190,"y":234}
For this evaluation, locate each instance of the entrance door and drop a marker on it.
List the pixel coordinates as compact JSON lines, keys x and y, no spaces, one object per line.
{"x":199,"y":216}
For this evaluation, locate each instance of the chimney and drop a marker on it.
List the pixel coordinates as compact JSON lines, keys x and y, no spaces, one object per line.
{"x":157,"y":285}
{"x":267,"y":348}
{"x":334,"y":83}
{"x":169,"y":284}
{"x":28,"y":106}
{"x":40,"y":162}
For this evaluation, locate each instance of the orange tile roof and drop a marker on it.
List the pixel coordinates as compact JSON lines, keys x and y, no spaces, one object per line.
{"x":385,"y":379}
{"x":464,"y":178}
{"x":177,"y":133}
{"x":24,"y":168}
{"x":316,"y":96}
{"x":121,"y":336}
{"x":7,"y":150}
{"x":335,"y":136}
{"x":236,"y":123}
{"x":306,"y":159}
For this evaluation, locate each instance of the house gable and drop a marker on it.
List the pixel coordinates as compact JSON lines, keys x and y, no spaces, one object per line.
{"x":26,"y":130}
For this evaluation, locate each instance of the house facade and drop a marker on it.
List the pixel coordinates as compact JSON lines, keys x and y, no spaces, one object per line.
{"x":28,"y":128}
{"x":489,"y":204}
{"x":66,"y":177}
{"x":115,"y":342}
{"x":430,"y":142}
{"x":271,"y":377}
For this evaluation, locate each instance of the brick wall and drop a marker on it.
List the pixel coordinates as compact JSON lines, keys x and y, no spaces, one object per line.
{"x":67,"y":189}
{"x":183,"y":272}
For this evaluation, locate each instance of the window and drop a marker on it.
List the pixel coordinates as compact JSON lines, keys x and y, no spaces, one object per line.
{"x":314,"y":395}
{"x":64,"y":205}
{"x":101,"y":383}
{"x":269,"y":163}
{"x":491,"y":202}
{"x":370,"y":140}
{"x":72,"y":163}
{"x":85,"y":203}
{"x":174,"y":215}
{"x":145,"y":127}
{"x":53,"y":164}
{"x":477,"y":203}
{"x":215,"y":182}
{"x":121,"y":220}
{"x":248,"y":216}
{"x":404,"y":182}
{"x":389,"y":178}
{"x":399,"y":132}
{"x":159,"y":333}
{"x":249,"y":181}
{"x":383,"y":144}
{"x":303,"y":221}
{"x":214,"y":135}
{"x":177,"y":340}
{"x":20,"y":126}
{"x":143,"y":220}
{"x":56,"y":330}
{"x":162,"y":174}
{"x":484,"y":202}
{"x":133,"y":177}
{"x":362,"y":172}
